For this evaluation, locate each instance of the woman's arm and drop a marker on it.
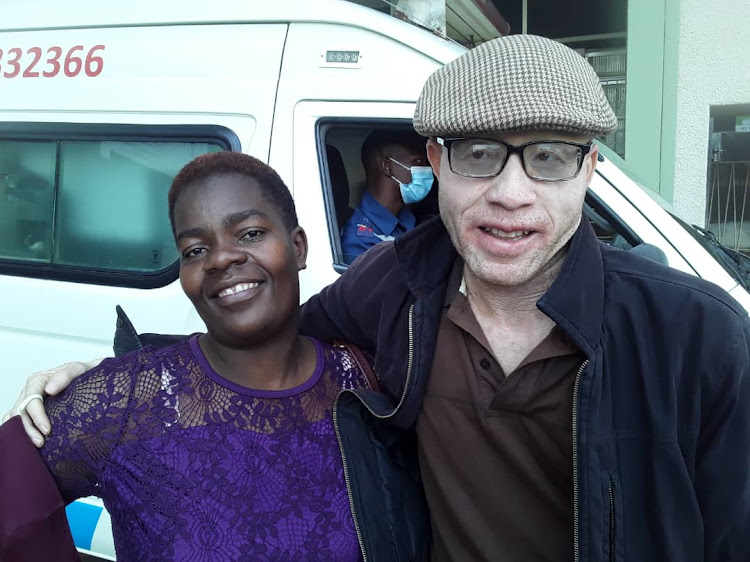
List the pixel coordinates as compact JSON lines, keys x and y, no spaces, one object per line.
{"x":87,"y":421}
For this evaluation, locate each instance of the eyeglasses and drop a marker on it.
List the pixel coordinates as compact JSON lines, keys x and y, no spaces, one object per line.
{"x":547,"y":160}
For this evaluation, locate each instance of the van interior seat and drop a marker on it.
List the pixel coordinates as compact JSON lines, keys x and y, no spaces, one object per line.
{"x":651,"y":252}
{"x":339,"y":185}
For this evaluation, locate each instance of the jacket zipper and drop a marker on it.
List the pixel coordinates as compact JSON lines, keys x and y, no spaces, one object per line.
{"x":346,"y":478}
{"x":338,"y":433}
{"x":576,"y":554}
{"x":611,"y":522}
{"x":409,"y":366}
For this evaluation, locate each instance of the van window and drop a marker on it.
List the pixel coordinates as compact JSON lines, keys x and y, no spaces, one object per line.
{"x":345,"y":180}
{"x":93,"y":207}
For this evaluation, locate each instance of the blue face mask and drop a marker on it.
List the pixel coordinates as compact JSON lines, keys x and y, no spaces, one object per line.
{"x":421,"y":183}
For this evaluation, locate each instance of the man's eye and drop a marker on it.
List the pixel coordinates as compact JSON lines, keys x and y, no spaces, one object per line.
{"x":547,"y":156}
{"x":481,"y":152}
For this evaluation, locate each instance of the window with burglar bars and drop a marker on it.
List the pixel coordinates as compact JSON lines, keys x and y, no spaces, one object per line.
{"x":729,"y":204}
{"x":610,"y":66}
{"x":728,"y":185}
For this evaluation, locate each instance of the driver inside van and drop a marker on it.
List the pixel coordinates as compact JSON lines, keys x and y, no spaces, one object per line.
{"x":397,"y":176}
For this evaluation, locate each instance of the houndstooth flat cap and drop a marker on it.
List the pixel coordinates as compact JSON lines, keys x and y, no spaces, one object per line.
{"x":514,"y":83}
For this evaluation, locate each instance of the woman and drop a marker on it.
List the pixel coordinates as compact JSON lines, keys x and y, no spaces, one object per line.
{"x":223,"y":446}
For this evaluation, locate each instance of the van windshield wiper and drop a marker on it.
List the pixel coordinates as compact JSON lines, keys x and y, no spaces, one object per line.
{"x":734,"y":261}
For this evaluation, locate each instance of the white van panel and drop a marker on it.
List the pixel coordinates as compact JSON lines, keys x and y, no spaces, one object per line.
{"x":45,"y":323}
{"x":185,"y":70}
{"x":53,"y":14}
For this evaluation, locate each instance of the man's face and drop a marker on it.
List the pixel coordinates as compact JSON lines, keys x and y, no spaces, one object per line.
{"x":406,"y":155}
{"x":511,"y":229}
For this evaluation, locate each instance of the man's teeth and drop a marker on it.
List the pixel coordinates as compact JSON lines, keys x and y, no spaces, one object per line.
{"x":516,"y":234}
{"x":238,"y":288}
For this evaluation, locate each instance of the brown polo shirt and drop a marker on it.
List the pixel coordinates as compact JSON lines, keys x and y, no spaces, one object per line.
{"x":496,"y":451}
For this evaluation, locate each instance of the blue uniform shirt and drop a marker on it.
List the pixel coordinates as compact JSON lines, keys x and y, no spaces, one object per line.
{"x":370,"y":224}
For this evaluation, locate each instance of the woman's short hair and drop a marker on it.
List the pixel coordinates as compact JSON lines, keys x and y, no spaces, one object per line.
{"x":204,"y":166}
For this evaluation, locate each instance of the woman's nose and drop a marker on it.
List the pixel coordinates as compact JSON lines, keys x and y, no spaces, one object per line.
{"x":224,"y":256}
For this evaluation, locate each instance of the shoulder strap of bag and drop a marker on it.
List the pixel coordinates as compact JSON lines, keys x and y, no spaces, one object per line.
{"x":127,"y":339}
{"x":362,"y":362}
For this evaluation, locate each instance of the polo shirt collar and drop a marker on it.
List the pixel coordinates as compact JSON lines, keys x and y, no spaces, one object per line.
{"x":382,"y":217}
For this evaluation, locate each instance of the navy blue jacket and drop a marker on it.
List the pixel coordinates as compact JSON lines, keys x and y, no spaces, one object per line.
{"x":661,"y":412}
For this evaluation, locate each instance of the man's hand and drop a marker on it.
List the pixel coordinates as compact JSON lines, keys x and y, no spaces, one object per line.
{"x":52,"y":381}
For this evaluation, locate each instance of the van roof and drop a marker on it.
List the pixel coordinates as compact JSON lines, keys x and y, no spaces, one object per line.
{"x":22,"y":15}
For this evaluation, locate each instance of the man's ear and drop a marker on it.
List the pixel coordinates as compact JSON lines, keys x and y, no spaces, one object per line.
{"x":434,"y":155}
{"x":299,"y":241}
{"x":385,"y":166}
{"x":592,"y":158}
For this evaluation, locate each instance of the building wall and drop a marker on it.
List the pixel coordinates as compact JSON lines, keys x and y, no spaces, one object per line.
{"x":643,"y":100}
{"x":713,"y":68}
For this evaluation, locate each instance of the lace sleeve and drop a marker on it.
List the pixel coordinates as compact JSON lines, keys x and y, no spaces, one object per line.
{"x":88,"y":419}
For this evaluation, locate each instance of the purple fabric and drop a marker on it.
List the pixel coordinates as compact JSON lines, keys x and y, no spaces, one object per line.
{"x":194,"y":467}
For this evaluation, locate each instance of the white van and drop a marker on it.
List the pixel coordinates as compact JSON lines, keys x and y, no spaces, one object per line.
{"x":101,"y":105}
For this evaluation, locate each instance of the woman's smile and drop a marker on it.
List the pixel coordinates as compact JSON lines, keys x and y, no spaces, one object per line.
{"x":235,"y":292}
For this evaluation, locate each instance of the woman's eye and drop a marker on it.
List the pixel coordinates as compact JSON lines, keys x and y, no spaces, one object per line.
{"x":193,"y":252}
{"x":251,"y":234}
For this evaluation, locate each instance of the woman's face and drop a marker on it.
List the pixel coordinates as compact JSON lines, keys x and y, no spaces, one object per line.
{"x":239,"y":262}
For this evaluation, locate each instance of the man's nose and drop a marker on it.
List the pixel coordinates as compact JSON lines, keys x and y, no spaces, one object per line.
{"x":512,"y":188}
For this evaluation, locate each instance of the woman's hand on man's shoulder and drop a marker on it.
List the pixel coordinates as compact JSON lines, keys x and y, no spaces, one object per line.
{"x":52,"y":381}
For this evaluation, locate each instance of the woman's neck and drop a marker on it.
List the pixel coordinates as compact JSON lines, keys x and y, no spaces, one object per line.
{"x":283,"y":363}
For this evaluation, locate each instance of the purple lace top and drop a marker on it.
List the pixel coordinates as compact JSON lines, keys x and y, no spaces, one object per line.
{"x":194,"y":467}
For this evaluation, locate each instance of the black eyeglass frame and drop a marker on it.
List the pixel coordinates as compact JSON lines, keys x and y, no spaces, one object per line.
{"x":583,"y":150}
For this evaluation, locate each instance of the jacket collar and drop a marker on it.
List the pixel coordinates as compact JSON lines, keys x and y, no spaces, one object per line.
{"x":425,"y":256}
{"x":575,"y":300}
